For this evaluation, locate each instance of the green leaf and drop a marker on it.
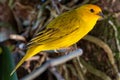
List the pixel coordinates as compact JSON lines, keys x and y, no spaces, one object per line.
{"x":7,"y":64}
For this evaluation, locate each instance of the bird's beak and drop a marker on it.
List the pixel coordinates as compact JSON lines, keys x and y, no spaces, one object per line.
{"x":101,"y":14}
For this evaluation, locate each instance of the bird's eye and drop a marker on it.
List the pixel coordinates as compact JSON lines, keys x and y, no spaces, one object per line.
{"x":92,"y":10}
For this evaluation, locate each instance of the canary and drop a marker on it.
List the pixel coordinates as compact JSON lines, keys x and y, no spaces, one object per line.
{"x":63,"y":31}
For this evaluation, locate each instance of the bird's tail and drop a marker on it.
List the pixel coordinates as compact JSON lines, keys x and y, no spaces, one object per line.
{"x":31,"y":52}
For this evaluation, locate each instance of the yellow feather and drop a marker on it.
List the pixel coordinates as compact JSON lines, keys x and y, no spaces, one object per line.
{"x":65,"y":30}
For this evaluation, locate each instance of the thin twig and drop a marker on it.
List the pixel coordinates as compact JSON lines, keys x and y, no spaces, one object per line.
{"x":56,"y":73}
{"x":94,"y":71}
{"x":55,"y":6}
{"x":66,"y":73}
{"x":79,"y":69}
{"x":17,"y":37}
{"x":116,"y":34}
{"x":106,"y":48}
{"x":53,"y":62}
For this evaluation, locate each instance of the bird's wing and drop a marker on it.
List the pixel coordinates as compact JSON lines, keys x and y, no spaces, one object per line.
{"x":66,"y":21}
{"x":58,"y":28}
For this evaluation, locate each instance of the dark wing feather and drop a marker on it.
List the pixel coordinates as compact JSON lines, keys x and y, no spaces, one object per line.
{"x":56,"y":29}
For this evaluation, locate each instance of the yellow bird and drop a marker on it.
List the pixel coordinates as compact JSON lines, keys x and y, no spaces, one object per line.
{"x":63,"y":31}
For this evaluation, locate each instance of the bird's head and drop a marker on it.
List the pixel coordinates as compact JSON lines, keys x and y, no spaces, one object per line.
{"x":90,"y":10}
